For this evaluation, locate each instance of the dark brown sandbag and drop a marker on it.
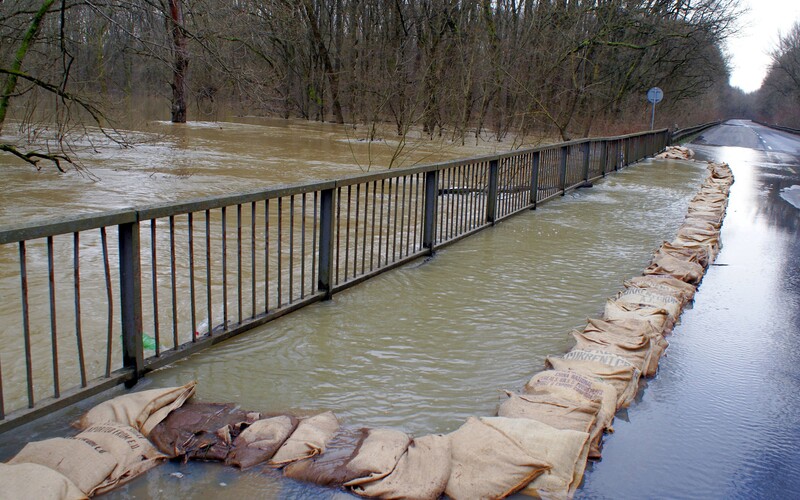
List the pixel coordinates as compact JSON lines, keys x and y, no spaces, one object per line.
{"x":201,"y":431}
{"x":330,"y":468}
{"x":259,"y":441}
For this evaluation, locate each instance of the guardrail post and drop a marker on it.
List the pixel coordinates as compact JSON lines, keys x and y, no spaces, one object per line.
{"x":429,"y":215}
{"x":603,"y":157}
{"x":627,"y":158}
{"x":326,"y":224}
{"x":562,"y":169}
{"x":587,"y":151}
{"x":491,"y":196}
{"x":130,"y":277}
{"x":535,"y":178}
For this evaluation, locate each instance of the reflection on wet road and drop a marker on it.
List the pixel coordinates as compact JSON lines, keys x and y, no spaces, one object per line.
{"x":722,"y":418}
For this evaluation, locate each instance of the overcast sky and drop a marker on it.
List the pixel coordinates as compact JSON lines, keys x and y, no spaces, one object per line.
{"x":759,"y":34}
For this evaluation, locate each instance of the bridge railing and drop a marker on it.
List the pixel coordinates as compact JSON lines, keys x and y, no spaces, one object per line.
{"x":92,"y":301}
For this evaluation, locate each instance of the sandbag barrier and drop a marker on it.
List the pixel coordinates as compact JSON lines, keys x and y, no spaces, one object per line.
{"x":538,"y":444}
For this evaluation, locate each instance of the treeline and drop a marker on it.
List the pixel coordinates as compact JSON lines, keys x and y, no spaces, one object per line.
{"x":778,"y":99}
{"x":456,"y":68}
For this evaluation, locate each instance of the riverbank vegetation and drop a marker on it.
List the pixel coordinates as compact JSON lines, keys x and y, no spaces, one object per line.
{"x":453,"y":69}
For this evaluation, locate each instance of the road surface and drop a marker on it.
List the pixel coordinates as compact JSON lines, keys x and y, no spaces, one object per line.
{"x":722,"y":417}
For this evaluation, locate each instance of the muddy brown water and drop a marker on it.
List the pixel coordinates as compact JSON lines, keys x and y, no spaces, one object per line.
{"x":420,"y":348}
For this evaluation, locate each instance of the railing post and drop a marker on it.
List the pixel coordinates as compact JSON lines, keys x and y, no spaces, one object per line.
{"x":491,"y":196}
{"x":326,"y":224}
{"x":130,"y":277}
{"x":562,"y":169}
{"x":535,"y":178}
{"x":429,"y":215}
{"x":587,"y":151}
{"x":603,"y":157}
{"x":627,"y":158}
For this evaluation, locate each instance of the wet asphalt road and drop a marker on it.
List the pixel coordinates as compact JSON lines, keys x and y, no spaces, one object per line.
{"x":722,"y":417}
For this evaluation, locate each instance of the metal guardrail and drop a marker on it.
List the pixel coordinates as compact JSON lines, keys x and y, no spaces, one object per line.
{"x":779,"y":127}
{"x":76,"y":308}
{"x":683,"y":134}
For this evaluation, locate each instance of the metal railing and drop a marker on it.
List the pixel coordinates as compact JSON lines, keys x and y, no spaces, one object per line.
{"x":684,"y":134}
{"x":93,"y":301}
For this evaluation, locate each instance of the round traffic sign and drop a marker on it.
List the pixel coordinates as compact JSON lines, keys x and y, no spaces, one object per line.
{"x":655,"y":95}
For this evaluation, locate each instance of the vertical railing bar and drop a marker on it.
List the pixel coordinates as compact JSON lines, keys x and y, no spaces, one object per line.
{"x":337,"y":243}
{"x":291,"y":248}
{"x":154,"y":276}
{"x":404,"y":226}
{"x":266,"y":256}
{"x":372,"y":231}
{"x":430,"y":202}
{"x":364,"y":236}
{"x":280,"y":252}
{"x":535,"y":178}
{"x":239,"y":260}
{"x":253,"y":260}
{"x":473,"y":199}
{"x":224,"y":216}
{"x":109,"y":299}
{"x":355,"y":235}
{"x":416,"y":211}
{"x":53,"y":321}
{"x":347,"y":234}
{"x":303,"y":247}
{"x":26,"y":325}
{"x":76,"y":273}
{"x":451,"y":179}
{"x":394,"y":220}
{"x":380,"y":226}
{"x":173,"y":282}
{"x":192,"y":290}
{"x":209,"y":294}
{"x":130,"y":286}
{"x":314,"y":255}
{"x":491,"y":196}
{"x":438,"y":197}
{"x":388,"y":219}
{"x":326,"y":228}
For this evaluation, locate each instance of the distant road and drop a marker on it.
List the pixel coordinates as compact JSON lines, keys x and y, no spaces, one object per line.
{"x":746,"y":134}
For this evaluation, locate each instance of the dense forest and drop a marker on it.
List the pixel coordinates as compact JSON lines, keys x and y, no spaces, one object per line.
{"x":454,"y":69}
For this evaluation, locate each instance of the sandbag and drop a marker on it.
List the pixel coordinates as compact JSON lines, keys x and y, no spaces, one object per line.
{"x":610,"y":368}
{"x":664,"y":284}
{"x":579,"y":389}
{"x":377,"y":456}
{"x":259,"y":442}
{"x":651,"y":298}
{"x":421,"y":473}
{"x":141,"y":410}
{"x":329,"y":468}
{"x":201,"y":431}
{"x":34,"y":481}
{"x":634,"y":348}
{"x":309,"y":439}
{"x":711,"y":248}
{"x":656,"y":316}
{"x":565,"y":450}
{"x":133,"y":453}
{"x":487,"y":463}
{"x":690,"y":272}
{"x":83,"y":462}
{"x":631,"y":326}
{"x":692,"y":253}
{"x":551,"y":409}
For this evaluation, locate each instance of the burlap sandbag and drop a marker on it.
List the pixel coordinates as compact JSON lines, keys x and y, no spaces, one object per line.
{"x":36,"y":482}
{"x":610,"y":368}
{"x":421,"y":473}
{"x":133,"y":453}
{"x":692,"y":253}
{"x":377,"y":456}
{"x":711,"y":248}
{"x":665,"y":284}
{"x":308,"y":439}
{"x":579,"y":389}
{"x":551,"y":409}
{"x":705,"y":235}
{"x":329,"y":468}
{"x":632,"y":327}
{"x":565,"y":450}
{"x":656,"y":316}
{"x":84,"y":463}
{"x":259,"y":442}
{"x":651,"y":298}
{"x":634,"y":348}
{"x":487,"y":463}
{"x":201,"y":431}
{"x":141,"y":410}
{"x":706,"y":214}
{"x":690,"y":272}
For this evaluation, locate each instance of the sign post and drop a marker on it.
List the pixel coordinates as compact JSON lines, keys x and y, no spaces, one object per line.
{"x":654,"y":95}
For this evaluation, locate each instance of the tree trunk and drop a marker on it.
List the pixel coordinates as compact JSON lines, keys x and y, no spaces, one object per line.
{"x":181,"y":63}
